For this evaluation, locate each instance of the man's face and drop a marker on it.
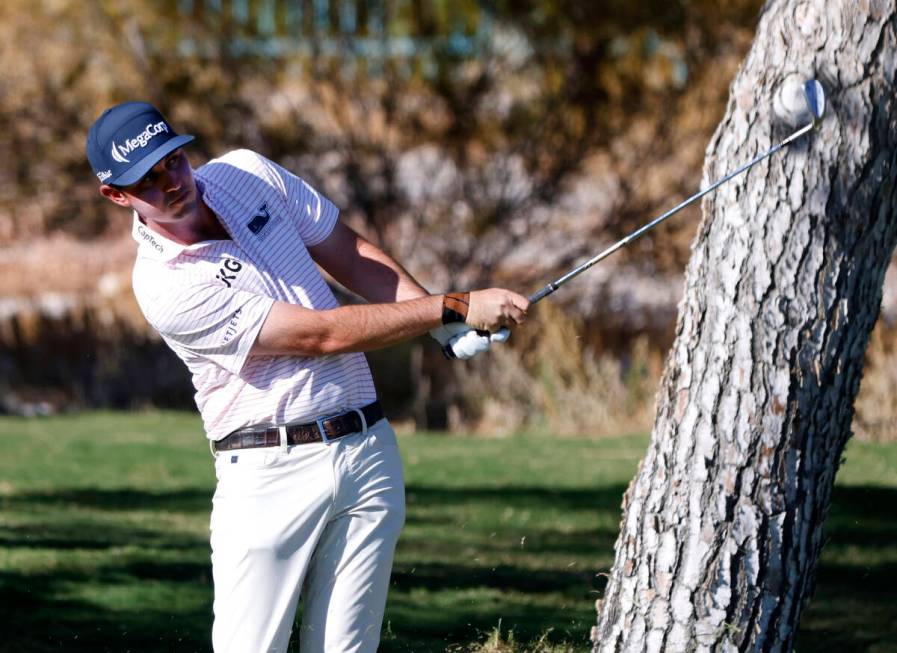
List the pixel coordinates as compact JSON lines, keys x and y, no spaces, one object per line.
{"x":166,"y":194}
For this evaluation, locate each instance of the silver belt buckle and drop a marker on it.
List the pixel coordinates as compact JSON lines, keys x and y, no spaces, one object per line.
{"x":323,"y":431}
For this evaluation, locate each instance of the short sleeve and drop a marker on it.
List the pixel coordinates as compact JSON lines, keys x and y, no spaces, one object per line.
{"x":206,"y":320}
{"x":315,"y":214}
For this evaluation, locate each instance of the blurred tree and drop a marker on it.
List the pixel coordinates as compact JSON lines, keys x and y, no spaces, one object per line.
{"x":723,"y":525}
{"x":515,"y":115}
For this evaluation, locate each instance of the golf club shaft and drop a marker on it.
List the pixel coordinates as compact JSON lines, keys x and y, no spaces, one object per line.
{"x":560,"y":281}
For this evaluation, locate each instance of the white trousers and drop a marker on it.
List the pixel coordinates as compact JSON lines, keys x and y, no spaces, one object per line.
{"x":318,"y":518}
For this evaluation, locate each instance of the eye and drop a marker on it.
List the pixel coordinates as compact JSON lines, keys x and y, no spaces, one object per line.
{"x":174,"y":160}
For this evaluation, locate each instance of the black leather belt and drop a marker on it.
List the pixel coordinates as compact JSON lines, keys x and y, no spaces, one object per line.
{"x":321,"y":430}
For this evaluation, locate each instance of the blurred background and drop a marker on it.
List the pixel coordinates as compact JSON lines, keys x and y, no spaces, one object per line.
{"x":480,"y":143}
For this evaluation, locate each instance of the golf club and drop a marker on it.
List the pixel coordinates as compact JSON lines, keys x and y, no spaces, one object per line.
{"x":815,"y":101}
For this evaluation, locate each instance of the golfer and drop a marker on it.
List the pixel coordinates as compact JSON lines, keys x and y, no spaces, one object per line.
{"x":310,"y":495}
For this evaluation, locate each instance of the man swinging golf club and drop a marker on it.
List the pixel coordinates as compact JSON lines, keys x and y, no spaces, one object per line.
{"x":310,"y":496}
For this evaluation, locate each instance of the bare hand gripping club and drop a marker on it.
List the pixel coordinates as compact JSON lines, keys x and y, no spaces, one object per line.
{"x":815,"y":100}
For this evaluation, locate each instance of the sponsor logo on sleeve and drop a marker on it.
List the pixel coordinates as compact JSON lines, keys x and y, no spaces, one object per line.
{"x":232,"y":325}
{"x":259,"y":220}
{"x":228,"y":271}
{"x":121,"y":152}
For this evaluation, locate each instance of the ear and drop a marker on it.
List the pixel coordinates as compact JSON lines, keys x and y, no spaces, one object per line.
{"x":115,"y":195}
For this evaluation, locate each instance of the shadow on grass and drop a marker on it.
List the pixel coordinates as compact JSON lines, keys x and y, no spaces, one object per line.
{"x":75,"y":519}
{"x":854,"y":608}
{"x":528,"y":497}
{"x":85,"y":535}
{"x":463,"y":595}
{"x":854,"y":605}
{"x":129,"y":561}
{"x":432,"y":605}
{"x":437,"y":577}
{"x":40,"y":615}
{"x":186,"y":500}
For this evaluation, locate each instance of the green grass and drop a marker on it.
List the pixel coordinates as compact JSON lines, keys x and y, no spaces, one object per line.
{"x":104,"y":540}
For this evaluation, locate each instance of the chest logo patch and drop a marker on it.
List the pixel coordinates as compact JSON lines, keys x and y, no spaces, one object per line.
{"x":259,"y":220}
{"x":228,"y":271}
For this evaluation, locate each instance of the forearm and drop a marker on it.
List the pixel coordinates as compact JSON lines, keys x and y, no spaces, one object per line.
{"x":293,"y":330}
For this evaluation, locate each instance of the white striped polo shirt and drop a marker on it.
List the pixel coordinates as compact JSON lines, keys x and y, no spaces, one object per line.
{"x":209,"y":300}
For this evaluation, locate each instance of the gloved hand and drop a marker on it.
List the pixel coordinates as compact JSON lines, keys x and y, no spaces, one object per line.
{"x":460,"y":341}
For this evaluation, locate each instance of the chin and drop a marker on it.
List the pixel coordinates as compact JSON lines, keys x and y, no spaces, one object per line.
{"x":184,"y":210}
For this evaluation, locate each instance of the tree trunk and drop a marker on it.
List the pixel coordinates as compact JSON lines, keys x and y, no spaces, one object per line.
{"x":722,"y":527}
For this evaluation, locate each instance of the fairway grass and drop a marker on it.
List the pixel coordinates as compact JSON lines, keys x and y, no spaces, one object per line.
{"x":104,"y":540}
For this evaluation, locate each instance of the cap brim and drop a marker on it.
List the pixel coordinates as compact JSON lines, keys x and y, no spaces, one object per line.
{"x":136,"y":172}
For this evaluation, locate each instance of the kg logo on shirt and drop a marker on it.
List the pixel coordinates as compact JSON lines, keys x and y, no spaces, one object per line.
{"x":259,"y":220}
{"x":231,"y":266}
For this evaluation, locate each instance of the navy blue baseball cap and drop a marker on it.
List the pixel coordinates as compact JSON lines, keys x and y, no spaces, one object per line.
{"x":128,"y":140}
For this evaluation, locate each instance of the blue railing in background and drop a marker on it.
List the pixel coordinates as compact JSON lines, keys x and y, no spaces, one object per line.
{"x":375,"y":31}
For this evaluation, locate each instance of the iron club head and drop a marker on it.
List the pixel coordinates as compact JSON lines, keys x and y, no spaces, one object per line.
{"x":815,"y":97}
{"x":799,"y":101}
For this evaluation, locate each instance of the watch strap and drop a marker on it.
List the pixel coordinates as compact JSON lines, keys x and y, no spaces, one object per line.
{"x":454,"y":307}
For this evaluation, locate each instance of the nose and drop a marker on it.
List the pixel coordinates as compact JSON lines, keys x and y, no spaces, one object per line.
{"x":171,"y":181}
{"x":171,"y":184}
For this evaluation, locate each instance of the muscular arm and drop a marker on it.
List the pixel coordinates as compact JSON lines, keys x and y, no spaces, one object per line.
{"x":295,"y":330}
{"x":364,"y":268}
{"x":402,"y":308}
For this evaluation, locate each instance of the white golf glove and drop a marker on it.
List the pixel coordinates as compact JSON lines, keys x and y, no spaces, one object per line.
{"x":460,"y":341}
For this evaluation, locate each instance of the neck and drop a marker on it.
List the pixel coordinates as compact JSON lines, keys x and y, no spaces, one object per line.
{"x":200,"y":226}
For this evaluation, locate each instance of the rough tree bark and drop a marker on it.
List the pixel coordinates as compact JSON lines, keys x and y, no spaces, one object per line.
{"x":722,"y":526}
